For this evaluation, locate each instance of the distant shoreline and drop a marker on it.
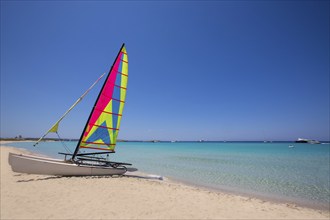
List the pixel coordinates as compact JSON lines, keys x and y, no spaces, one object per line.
{"x":152,"y":141}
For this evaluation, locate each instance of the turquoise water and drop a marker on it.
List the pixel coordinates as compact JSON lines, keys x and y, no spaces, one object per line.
{"x":272,"y":170}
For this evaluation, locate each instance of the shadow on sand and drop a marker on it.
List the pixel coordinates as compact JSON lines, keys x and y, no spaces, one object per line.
{"x":41,"y":178}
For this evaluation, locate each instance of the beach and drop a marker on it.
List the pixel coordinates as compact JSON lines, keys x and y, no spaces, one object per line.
{"x":133,"y":196}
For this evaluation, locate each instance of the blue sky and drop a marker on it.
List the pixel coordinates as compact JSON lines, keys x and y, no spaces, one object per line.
{"x":213,"y":70}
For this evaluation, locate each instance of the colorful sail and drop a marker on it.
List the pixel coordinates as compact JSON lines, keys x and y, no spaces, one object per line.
{"x":102,"y":128}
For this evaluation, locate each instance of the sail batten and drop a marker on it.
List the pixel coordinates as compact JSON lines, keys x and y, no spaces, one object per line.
{"x":118,"y":100}
{"x":96,"y":143}
{"x":122,"y":74}
{"x":111,"y":113}
{"x":119,"y":86}
{"x":102,"y":127}
{"x":97,"y":148}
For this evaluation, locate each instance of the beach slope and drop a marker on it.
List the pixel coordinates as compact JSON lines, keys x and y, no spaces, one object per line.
{"x":26,"y":196}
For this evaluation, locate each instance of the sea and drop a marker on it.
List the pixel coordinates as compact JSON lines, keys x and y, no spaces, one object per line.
{"x":279,"y":171}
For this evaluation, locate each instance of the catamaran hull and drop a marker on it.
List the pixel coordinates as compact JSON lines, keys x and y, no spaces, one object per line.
{"x":21,"y":163}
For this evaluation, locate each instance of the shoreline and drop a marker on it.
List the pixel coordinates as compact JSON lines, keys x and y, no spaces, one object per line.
{"x":231,"y":191}
{"x":259,"y":196}
{"x":134,"y":195}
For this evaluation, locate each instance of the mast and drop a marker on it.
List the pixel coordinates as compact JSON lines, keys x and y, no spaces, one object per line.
{"x":90,"y":115}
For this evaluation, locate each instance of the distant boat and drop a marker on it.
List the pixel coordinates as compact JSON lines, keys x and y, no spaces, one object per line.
{"x":291,"y":146}
{"x":98,"y":138}
{"x":308,"y":141}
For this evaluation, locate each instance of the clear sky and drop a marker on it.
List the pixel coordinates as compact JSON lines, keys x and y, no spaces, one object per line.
{"x":213,"y":70}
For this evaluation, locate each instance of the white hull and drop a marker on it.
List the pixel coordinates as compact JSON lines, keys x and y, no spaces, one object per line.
{"x":21,"y":163}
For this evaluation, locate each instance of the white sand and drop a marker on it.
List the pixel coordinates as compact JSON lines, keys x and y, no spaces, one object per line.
{"x":25,"y":196}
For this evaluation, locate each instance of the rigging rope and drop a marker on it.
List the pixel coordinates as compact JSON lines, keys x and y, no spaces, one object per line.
{"x":64,"y":145}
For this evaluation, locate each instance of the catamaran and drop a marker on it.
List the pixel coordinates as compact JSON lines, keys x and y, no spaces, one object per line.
{"x":99,"y":136}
